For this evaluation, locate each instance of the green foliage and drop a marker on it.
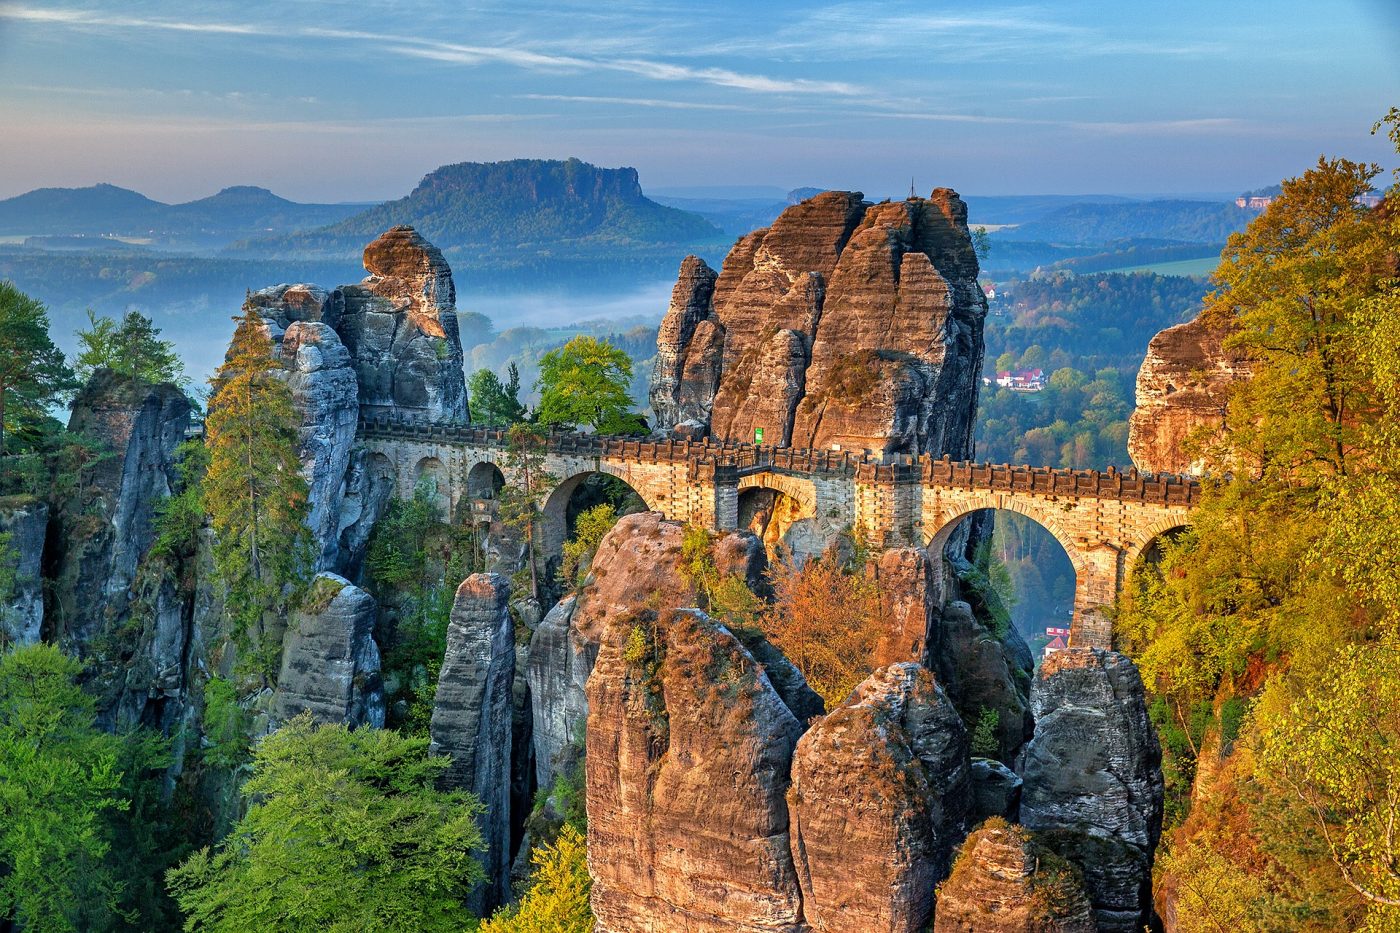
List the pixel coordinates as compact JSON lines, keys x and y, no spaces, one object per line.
{"x":33,"y":373}
{"x":557,"y":898}
{"x":494,"y":402}
{"x":180,"y":517}
{"x":254,"y":491}
{"x":589,"y":530}
{"x":527,"y":482}
{"x":344,"y":831}
{"x":60,"y":791}
{"x":396,"y":555}
{"x":984,"y":741}
{"x":586,"y":383}
{"x":225,"y":725}
{"x":132,"y":348}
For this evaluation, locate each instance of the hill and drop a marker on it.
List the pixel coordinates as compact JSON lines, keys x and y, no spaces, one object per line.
{"x":1094,"y":224}
{"x":106,"y":210}
{"x":506,"y":212}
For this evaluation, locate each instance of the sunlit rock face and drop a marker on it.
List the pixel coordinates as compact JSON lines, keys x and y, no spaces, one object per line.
{"x":330,"y":661}
{"x":1182,"y":388}
{"x":400,"y":326}
{"x":880,"y":796}
{"x":843,"y":324}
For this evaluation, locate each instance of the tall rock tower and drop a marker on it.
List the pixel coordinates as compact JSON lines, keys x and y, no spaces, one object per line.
{"x":844,"y":325}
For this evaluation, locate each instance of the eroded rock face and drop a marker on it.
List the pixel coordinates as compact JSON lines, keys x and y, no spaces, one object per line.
{"x":472,"y":716}
{"x":330,"y":661}
{"x":983,"y":672}
{"x":1004,"y":882}
{"x":107,"y":532}
{"x":996,"y":790}
{"x":880,"y":796}
{"x":1093,"y":779}
{"x":689,"y":747}
{"x":22,"y":615}
{"x":1182,"y":387}
{"x":400,"y":326}
{"x":844,"y":323}
{"x":326,"y":394}
{"x":637,"y":564}
{"x":909,"y":601}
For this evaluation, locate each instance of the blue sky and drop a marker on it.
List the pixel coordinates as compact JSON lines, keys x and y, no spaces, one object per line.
{"x":355,"y":100}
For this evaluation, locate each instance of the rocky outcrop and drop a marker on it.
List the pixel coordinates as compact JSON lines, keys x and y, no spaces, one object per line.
{"x":688,"y":749}
{"x":400,"y":326}
{"x":909,"y":605}
{"x":1005,"y":882}
{"x":326,"y":394}
{"x":996,"y":790}
{"x":330,"y":661}
{"x":880,"y":796}
{"x":106,"y":526}
{"x":1093,"y":779}
{"x":24,"y":522}
{"x":472,"y":716}
{"x":983,"y":672}
{"x":1182,"y":388}
{"x":844,"y":323}
{"x":637,"y":564}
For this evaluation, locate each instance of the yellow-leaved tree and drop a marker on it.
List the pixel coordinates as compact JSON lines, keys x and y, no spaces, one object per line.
{"x":253,"y":489}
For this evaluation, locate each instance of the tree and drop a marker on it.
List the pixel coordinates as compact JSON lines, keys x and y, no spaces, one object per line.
{"x":589,"y":530}
{"x":344,"y":831}
{"x":557,"y":899}
{"x":493,"y":402}
{"x":253,"y":488}
{"x":133,"y":348}
{"x":520,"y":498}
{"x":60,"y":788}
{"x":825,"y":618}
{"x":33,"y":373}
{"x":585,"y":382}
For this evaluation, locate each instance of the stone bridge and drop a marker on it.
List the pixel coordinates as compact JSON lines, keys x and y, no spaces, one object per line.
{"x":1104,"y":519}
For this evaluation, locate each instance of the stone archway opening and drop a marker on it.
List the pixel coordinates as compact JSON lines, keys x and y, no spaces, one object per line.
{"x":485,"y":481}
{"x":578,"y":494}
{"x":783,"y":521}
{"x":1017,"y":569}
{"x":430,"y":474}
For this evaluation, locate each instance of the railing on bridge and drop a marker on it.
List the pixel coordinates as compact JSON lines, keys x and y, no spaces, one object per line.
{"x":1163,"y":489}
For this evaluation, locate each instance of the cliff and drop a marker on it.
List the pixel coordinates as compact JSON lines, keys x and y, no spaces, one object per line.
{"x":843,"y":324}
{"x":1182,"y":389}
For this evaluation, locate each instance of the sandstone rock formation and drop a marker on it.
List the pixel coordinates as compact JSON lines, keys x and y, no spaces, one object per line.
{"x":330,"y":661}
{"x":996,"y":790}
{"x":688,"y":752}
{"x":983,"y":672}
{"x":22,"y":614}
{"x":472,"y":716}
{"x":1093,"y":780}
{"x":1181,"y":390}
{"x":400,"y":326}
{"x":909,"y":604}
{"x":637,"y":564}
{"x":1005,"y":882}
{"x":844,"y":323}
{"x":880,"y":796}
{"x":326,"y":394}
{"x":106,"y":527}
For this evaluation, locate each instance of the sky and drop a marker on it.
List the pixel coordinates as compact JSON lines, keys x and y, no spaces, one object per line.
{"x":354,"y":100}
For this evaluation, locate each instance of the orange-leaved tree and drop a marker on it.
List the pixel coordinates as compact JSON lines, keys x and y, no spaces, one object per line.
{"x":253,"y":490}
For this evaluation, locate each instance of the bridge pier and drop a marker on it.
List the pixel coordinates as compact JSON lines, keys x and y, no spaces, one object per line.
{"x":1098,"y":574}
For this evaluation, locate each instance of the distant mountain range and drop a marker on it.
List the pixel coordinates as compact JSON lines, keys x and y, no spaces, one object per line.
{"x":108,"y":211}
{"x":508,"y":213}
{"x":1097,"y":224}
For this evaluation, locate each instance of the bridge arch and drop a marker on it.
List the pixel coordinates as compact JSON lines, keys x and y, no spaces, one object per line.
{"x":561,"y":506}
{"x":484,"y":480}
{"x":782,"y":510}
{"x":433,"y":470}
{"x":1137,"y":550}
{"x":947,"y":520}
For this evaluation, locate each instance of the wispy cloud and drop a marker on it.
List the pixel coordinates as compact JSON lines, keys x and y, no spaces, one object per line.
{"x":636,"y":102}
{"x":451,"y":52}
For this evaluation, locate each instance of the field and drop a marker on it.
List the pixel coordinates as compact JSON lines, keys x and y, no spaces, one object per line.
{"x":1198,"y":268}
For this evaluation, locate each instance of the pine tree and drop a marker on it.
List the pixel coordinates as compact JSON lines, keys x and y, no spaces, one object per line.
{"x":494,"y":402}
{"x":520,"y":507}
{"x":33,"y":373}
{"x":253,"y":489}
{"x":132,"y":348}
